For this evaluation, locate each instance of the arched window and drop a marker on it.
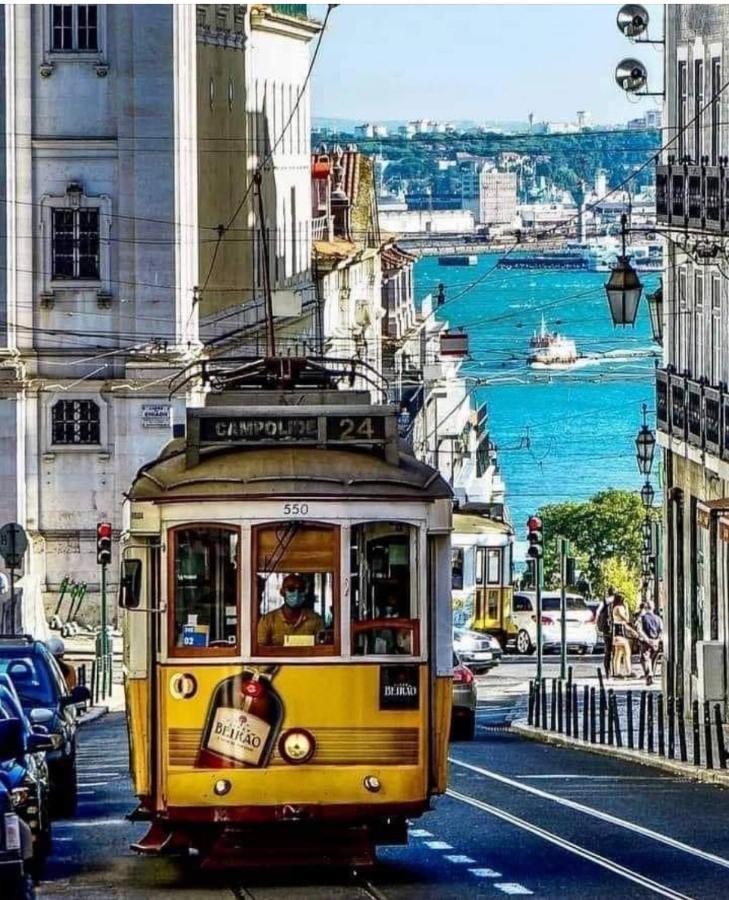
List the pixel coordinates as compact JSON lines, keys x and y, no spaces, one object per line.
{"x":76,"y":422}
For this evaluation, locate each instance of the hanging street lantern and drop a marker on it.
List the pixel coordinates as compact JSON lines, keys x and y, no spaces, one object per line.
{"x":645,"y":446}
{"x":655,"y":310}
{"x":624,"y":287}
{"x":646,"y":529}
{"x":647,"y":495}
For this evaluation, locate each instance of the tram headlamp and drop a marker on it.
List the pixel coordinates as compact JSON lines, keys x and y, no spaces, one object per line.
{"x":296,"y":746}
{"x":372,"y":783}
{"x":222,"y":787}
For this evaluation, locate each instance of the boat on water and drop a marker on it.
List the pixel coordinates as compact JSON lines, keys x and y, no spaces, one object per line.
{"x":593,"y":256}
{"x":458,"y":260}
{"x":557,"y":259}
{"x":551,"y":349}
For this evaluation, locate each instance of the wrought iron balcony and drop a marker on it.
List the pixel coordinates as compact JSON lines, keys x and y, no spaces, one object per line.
{"x":693,"y":411}
{"x":297,"y":10}
{"x":693,"y":196}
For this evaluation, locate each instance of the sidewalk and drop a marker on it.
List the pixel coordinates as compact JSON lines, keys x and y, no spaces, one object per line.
{"x":684,"y":770}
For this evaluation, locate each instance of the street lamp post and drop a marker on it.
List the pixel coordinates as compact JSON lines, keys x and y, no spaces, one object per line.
{"x":655,"y":310}
{"x":645,"y":445}
{"x":623,"y":288}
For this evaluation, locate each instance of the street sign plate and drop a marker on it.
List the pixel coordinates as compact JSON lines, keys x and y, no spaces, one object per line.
{"x":13,"y":544}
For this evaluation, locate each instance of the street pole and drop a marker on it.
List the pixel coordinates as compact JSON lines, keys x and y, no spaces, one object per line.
{"x":539,"y":571}
{"x":103,"y":631}
{"x":12,"y":600}
{"x":563,"y":607}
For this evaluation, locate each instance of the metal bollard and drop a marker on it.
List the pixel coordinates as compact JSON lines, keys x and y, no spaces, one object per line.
{"x":553,"y":705}
{"x":720,"y":748}
{"x":616,"y":718}
{"x":575,"y":712}
{"x":671,"y":709}
{"x":610,"y":700}
{"x":544,"y":703}
{"x":530,"y":713}
{"x":586,"y":713}
{"x":602,"y":716}
{"x":631,"y":736}
{"x":708,"y":742}
{"x":560,"y":707}
{"x":568,"y":708}
{"x":661,"y":727}
{"x":681,"y":730}
{"x":641,"y":721}
{"x":651,"y":747}
{"x":695,"y":729}
{"x":537,"y":704}
{"x":593,"y":724}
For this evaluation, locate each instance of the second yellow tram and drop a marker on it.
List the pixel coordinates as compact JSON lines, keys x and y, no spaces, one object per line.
{"x":288,"y":662}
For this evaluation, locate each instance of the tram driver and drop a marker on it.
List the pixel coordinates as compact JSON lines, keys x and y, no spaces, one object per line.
{"x":292,"y":618}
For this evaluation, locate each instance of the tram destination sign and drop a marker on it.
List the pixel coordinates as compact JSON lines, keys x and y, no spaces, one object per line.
{"x":291,"y":429}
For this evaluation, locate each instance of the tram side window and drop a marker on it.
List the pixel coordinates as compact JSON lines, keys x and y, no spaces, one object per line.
{"x":457,"y":568}
{"x":296,"y":591}
{"x":384,"y":620}
{"x":205,"y":601}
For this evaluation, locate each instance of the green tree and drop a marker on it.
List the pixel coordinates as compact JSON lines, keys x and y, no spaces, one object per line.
{"x":605,"y":528}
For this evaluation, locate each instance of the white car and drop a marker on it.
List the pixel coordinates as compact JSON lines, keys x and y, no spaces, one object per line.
{"x":581,"y":632}
{"x":479,"y":651}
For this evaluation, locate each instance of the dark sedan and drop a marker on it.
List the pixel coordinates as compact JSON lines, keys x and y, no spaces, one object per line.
{"x":49,"y":704}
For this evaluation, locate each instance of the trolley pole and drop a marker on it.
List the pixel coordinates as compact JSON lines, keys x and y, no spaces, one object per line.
{"x":535,"y":551}
{"x":104,"y":633}
{"x":539,"y":567}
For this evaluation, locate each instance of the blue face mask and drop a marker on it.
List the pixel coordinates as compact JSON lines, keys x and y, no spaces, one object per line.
{"x":294,"y":599}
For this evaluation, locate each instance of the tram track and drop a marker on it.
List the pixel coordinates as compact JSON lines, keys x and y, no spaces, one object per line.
{"x":355,"y":885}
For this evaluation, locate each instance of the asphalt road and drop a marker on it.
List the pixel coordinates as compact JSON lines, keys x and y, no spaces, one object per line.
{"x":520,"y":819}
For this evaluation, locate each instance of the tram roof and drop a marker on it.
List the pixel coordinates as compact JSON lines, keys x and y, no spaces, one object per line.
{"x":463,"y":523}
{"x":273,"y":471}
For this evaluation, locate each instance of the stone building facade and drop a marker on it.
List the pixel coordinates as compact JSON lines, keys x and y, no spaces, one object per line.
{"x":692,"y":400}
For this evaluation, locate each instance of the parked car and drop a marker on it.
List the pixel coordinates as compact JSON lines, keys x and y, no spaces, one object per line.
{"x":465,"y":698}
{"x":16,"y":840}
{"x":24,"y":772}
{"x":479,"y":651}
{"x":581,"y":633}
{"x":47,"y":702}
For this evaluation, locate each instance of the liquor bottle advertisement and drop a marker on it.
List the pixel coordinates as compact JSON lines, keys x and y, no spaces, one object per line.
{"x":243,"y":723}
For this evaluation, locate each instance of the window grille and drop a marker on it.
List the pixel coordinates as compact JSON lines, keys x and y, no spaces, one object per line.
{"x":76,"y":422}
{"x":75,"y":245}
{"x":75,"y":27}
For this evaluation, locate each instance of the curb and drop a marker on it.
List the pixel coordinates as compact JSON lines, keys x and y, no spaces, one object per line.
{"x":708,"y":776}
{"x":92,"y":715}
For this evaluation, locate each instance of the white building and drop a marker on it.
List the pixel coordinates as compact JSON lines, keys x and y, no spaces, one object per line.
{"x":366,"y":130}
{"x":497,"y":197}
{"x":109,"y":236}
{"x":424,"y":221}
{"x":381,"y":131}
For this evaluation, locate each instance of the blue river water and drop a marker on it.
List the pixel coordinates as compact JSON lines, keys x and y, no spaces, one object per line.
{"x":561,"y":434}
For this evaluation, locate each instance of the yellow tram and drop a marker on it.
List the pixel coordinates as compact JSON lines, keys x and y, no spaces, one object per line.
{"x":286,"y":588}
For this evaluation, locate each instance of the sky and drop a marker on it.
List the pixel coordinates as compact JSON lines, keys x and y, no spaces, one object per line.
{"x":480,"y":62}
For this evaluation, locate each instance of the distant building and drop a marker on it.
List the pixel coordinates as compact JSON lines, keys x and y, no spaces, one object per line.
{"x":380,"y":131}
{"x":426,"y":221}
{"x":406,"y":131}
{"x":366,"y":130}
{"x":654,"y":118}
{"x":583,"y":119}
{"x":497,"y":197}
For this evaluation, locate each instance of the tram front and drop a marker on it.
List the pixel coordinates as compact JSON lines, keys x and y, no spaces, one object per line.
{"x":286,"y":582}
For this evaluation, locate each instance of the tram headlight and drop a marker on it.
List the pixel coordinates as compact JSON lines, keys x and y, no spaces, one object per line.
{"x":296,"y":746}
{"x":222,"y":787}
{"x":372,"y":783}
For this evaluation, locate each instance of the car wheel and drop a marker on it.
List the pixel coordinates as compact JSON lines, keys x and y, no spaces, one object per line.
{"x":524,"y":644}
{"x":67,"y":791}
{"x":22,"y":888}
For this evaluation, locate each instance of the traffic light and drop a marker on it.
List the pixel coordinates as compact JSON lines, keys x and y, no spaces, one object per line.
{"x":535,"y":538}
{"x":103,"y":543}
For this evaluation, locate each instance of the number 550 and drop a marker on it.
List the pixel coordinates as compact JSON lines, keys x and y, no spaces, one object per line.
{"x":296,"y":509}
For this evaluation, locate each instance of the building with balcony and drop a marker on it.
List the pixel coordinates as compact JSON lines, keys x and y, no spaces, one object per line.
{"x":692,"y":397}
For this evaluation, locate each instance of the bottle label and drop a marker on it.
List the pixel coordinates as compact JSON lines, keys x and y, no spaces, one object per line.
{"x":238,"y":735}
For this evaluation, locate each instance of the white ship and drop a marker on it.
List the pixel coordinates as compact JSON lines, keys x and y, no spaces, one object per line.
{"x":548,"y":348}
{"x":602,"y":255}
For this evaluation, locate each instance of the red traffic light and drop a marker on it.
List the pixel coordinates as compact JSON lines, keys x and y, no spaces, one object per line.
{"x":534,"y":523}
{"x":103,"y":530}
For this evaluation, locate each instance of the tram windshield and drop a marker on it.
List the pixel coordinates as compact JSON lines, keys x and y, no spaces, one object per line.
{"x":384,"y":617}
{"x":205,"y":587}
{"x":295,"y":597}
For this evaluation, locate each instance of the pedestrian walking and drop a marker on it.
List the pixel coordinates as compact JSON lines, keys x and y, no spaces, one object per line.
{"x":622,"y":631}
{"x":604,"y":624}
{"x":650,"y":633}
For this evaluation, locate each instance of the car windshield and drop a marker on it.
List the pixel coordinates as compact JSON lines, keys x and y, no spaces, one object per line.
{"x":30,"y":675}
{"x":553,"y":603}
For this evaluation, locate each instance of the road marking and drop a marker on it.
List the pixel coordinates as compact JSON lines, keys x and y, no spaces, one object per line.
{"x":598,"y":814}
{"x":61,"y":839}
{"x":459,"y":859}
{"x":90,"y":823}
{"x":602,"y":861}
{"x":438,"y":845}
{"x":485,"y":873}
{"x":420,"y":832}
{"x":511,"y":887}
{"x":93,"y":783}
{"x":647,"y":778}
